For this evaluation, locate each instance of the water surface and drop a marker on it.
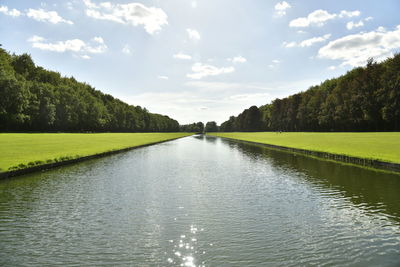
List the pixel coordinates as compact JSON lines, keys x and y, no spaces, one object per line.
{"x":201,"y":201}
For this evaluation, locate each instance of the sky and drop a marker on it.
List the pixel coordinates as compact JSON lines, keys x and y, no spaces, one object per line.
{"x":201,"y":60}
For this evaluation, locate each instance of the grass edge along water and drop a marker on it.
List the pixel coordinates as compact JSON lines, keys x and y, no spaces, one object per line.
{"x":27,"y":150}
{"x":380,"y":146}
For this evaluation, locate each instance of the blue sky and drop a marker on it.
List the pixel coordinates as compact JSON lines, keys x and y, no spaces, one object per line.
{"x":200,"y":60}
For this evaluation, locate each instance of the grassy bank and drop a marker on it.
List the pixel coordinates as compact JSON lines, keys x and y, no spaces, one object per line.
{"x":380,"y":146}
{"x":19,"y":151}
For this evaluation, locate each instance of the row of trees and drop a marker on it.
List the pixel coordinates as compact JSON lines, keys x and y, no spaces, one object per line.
{"x":197,"y":127}
{"x":35,"y":99}
{"x":365,"y":99}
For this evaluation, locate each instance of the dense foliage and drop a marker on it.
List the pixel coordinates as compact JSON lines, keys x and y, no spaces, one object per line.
{"x":211,"y":126}
{"x":35,"y":99}
{"x":193,"y":128}
{"x":365,"y":99}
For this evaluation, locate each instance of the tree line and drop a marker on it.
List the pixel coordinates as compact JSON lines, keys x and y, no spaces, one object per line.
{"x":35,"y":99}
{"x":197,"y":127}
{"x":364,"y":99}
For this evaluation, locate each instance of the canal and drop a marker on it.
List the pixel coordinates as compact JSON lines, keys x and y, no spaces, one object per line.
{"x":201,"y":201}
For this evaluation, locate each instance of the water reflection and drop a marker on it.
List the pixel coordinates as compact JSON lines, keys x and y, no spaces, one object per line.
{"x":374,"y":190}
{"x":201,"y":201}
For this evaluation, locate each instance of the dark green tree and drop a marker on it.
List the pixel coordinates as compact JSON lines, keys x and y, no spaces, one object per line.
{"x":364,"y":99}
{"x":35,"y":99}
{"x":211,"y":126}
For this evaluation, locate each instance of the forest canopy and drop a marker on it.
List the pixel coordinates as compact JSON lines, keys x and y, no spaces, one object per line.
{"x":35,"y":99}
{"x":364,"y":99}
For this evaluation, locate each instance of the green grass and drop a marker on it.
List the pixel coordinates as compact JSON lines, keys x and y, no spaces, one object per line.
{"x":19,"y":151}
{"x":382,"y":146}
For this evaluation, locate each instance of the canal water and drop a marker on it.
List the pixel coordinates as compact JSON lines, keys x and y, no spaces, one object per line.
{"x":201,"y":201}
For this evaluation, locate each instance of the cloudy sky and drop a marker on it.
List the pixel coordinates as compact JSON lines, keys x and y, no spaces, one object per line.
{"x":201,"y":60}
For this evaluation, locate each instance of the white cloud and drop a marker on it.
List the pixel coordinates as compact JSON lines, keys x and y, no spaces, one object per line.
{"x":69,"y":5}
{"x":89,"y":4}
{"x":320,"y":17}
{"x":161,"y":77}
{"x":13,"y":12}
{"x":35,"y":39}
{"x":349,"y":14}
{"x":356,"y":49}
{"x":222,"y":99}
{"x":193,"y":34}
{"x":180,"y":55}
{"x":85,"y":57}
{"x":250,"y":97}
{"x":289,"y":44}
{"x":74,"y":45}
{"x":46,"y":16}
{"x":382,"y":29}
{"x":213,"y":86}
{"x":99,"y":49}
{"x":238,"y":59}
{"x":135,"y":14}
{"x":126,"y":49}
{"x":280,"y":8}
{"x":274,"y":63}
{"x":308,"y":42}
{"x":203,"y":70}
{"x":350,"y":25}
{"x":183,"y":106}
{"x":230,"y":87}
{"x":36,"y":14}
{"x":98,"y":40}
{"x":332,"y":67}
{"x":314,"y":40}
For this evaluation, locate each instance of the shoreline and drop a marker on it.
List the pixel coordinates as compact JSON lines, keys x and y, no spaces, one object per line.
{"x":9,"y":174}
{"x":363,"y":162}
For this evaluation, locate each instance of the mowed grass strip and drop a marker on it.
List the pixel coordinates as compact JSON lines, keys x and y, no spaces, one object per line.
{"x":19,"y":151}
{"x":384,"y":146}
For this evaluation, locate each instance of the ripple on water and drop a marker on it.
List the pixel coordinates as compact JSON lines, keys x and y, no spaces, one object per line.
{"x":186,"y":250}
{"x":195,"y":202}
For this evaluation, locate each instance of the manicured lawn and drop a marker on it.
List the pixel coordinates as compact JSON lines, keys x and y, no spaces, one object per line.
{"x":36,"y":149}
{"x":383,"y":146}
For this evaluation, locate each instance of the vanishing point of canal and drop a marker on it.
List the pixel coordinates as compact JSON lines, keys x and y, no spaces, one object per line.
{"x":201,"y":201}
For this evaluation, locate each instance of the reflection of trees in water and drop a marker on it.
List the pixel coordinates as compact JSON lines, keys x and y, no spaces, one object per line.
{"x":376,"y":189}
{"x":199,"y":136}
{"x":211,"y":139}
